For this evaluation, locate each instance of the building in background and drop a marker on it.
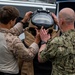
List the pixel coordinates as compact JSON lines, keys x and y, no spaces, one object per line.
{"x":40,"y":1}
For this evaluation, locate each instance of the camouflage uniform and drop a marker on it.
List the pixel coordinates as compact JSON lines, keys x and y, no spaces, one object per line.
{"x":15,"y":48}
{"x":61,"y":51}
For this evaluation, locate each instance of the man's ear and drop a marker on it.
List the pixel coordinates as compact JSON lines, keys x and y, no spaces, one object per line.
{"x":61,"y":21}
{"x":12,"y":22}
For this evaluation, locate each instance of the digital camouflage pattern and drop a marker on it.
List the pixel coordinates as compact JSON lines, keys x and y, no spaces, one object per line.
{"x":15,"y":45}
{"x":61,"y":51}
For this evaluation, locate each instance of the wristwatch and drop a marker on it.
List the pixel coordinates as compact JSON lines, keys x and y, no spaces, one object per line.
{"x":43,"y":42}
{"x":24,"y":24}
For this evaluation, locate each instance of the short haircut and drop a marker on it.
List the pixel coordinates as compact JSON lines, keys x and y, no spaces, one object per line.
{"x":8,"y":13}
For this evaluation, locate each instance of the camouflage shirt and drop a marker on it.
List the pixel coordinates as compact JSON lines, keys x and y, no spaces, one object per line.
{"x":61,"y":51}
{"x":12,"y":48}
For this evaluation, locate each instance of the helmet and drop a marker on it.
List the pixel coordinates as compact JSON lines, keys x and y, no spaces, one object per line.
{"x":42,"y":18}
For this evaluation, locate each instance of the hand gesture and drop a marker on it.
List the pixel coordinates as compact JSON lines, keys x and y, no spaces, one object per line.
{"x":27,"y":17}
{"x":44,"y":35}
{"x":55,"y":18}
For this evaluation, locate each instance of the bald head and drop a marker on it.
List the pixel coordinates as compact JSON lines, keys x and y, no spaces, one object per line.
{"x":68,"y":14}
